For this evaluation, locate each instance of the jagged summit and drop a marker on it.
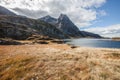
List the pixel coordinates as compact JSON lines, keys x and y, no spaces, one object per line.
{"x":49,"y":19}
{"x":64,"y":24}
{"x":63,"y":17}
{"x":67,"y":26}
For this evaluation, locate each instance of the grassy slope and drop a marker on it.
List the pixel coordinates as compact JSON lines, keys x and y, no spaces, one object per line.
{"x":58,"y":62}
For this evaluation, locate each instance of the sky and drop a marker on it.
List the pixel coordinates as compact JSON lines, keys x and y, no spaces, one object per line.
{"x":97,"y":16}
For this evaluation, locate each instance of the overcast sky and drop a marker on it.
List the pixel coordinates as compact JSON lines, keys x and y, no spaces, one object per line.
{"x":98,"y":16}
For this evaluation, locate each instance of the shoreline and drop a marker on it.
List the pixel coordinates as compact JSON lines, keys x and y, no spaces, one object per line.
{"x":116,"y":38}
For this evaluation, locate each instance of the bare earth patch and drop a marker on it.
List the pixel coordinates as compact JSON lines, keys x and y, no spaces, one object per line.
{"x":58,"y":62}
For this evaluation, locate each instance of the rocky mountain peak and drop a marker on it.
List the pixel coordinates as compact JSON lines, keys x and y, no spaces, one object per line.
{"x":49,"y":19}
{"x":64,"y":24}
{"x":63,"y":17}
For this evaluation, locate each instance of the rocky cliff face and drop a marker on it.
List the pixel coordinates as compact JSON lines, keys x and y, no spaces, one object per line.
{"x":4,"y":11}
{"x":67,"y":26}
{"x":64,"y":24}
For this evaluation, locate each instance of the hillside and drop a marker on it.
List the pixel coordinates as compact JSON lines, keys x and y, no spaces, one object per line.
{"x":32,"y":27}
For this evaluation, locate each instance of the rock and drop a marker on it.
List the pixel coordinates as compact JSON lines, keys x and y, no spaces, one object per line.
{"x":57,"y":41}
{"x":73,"y":47}
{"x":40,"y":42}
{"x":9,"y":42}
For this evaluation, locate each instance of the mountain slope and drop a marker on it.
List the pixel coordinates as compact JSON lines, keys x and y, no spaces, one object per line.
{"x":40,"y":27}
{"x":67,"y":26}
{"x":14,"y":31}
{"x":64,"y":24}
{"x":4,"y":11}
{"x":49,"y":19}
{"x":89,"y":34}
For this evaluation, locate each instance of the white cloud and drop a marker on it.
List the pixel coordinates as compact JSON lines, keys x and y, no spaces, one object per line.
{"x":81,"y":12}
{"x":108,"y":31}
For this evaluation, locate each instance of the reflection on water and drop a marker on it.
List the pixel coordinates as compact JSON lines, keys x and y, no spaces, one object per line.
{"x":85,"y":42}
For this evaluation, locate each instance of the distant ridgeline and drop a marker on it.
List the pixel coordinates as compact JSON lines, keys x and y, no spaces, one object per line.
{"x":21,"y":28}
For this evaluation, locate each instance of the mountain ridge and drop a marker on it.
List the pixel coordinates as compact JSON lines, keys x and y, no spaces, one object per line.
{"x":42,"y":28}
{"x":14,"y":26}
{"x":64,"y":24}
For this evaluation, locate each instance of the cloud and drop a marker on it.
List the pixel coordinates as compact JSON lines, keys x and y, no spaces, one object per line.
{"x":81,"y":12}
{"x":30,"y":13}
{"x":108,"y":31}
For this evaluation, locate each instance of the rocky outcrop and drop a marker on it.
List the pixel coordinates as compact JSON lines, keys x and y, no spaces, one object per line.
{"x":9,"y":42}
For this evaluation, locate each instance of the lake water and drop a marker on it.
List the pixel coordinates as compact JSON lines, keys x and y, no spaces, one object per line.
{"x":100,"y":43}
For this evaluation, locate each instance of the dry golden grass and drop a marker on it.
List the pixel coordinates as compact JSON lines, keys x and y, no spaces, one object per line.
{"x":58,"y":62}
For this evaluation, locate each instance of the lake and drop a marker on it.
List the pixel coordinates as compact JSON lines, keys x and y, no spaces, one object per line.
{"x":99,"y":43}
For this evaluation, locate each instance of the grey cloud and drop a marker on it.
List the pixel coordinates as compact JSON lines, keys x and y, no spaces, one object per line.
{"x":31,"y":13}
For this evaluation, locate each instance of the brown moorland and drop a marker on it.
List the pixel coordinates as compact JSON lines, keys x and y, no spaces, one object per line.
{"x":58,"y":62}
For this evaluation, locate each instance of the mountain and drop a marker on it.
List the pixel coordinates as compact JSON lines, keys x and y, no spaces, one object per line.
{"x":89,"y":34}
{"x":67,"y":26}
{"x":4,"y":11}
{"x":17,"y":27}
{"x":64,"y":24}
{"x":49,"y":19}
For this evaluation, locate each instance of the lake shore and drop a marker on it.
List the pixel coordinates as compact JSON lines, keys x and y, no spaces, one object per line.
{"x":58,"y":62}
{"x":116,"y":39}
